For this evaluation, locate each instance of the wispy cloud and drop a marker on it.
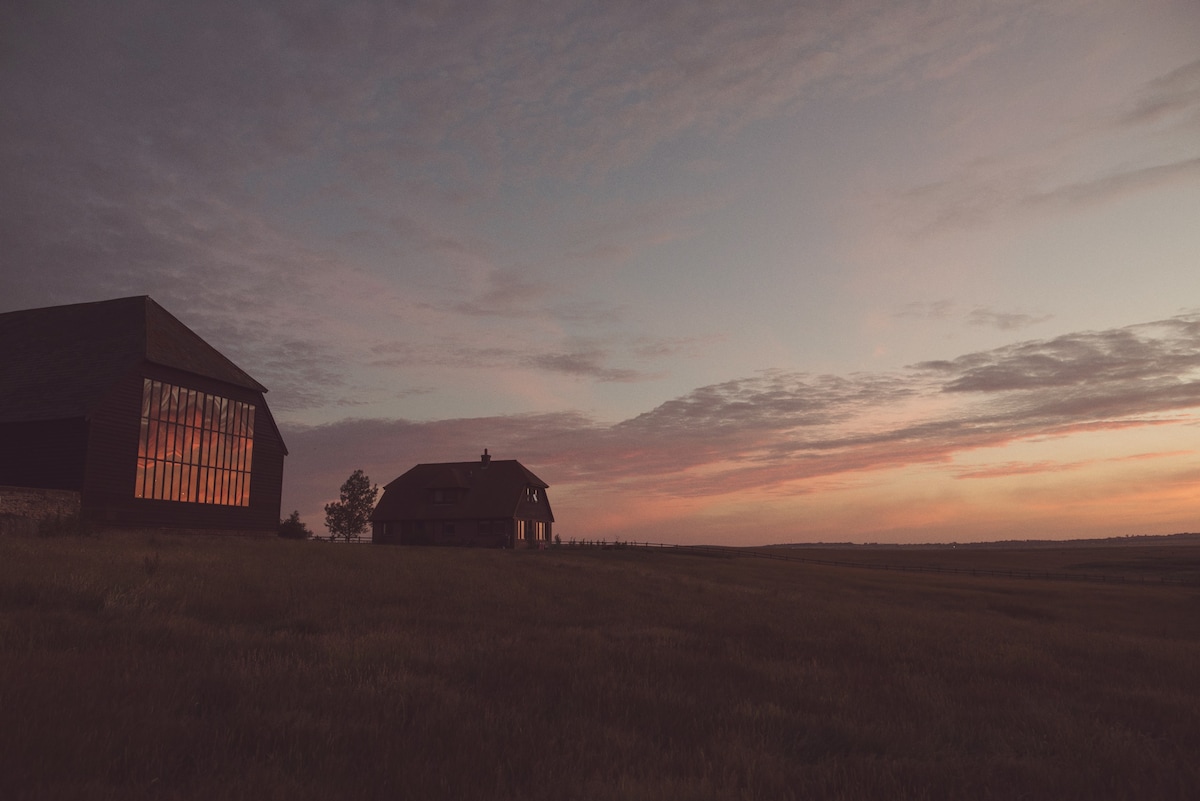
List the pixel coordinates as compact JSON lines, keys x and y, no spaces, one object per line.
{"x":1171,"y":97}
{"x":1055,"y":173}
{"x":926,"y":310}
{"x":780,"y":429}
{"x":1004,"y":321}
{"x":1007,"y":469}
{"x":588,"y":361}
{"x":980,"y":316}
{"x":1117,"y":184}
{"x":654,"y":349}
{"x":217,"y":156}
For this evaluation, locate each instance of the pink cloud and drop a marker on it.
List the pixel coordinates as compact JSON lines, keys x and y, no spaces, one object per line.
{"x":774,"y":432}
{"x":1007,"y":469}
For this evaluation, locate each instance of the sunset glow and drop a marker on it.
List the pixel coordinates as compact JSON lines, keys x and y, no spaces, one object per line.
{"x":776,"y":272}
{"x":195,"y":447}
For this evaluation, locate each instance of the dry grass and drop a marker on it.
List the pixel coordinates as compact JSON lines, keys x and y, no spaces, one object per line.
{"x":206,"y":668}
{"x":1171,"y":563}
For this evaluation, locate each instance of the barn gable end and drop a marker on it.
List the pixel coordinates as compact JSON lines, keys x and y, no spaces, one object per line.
{"x":76,"y":413}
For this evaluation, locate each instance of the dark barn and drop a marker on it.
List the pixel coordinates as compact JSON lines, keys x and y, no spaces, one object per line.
{"x":496,"y":504}
{"x":125,"y":411}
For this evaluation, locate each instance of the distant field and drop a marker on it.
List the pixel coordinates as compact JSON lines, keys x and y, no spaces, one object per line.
{"x":202,"y":668}
{"x":1149,"y":563}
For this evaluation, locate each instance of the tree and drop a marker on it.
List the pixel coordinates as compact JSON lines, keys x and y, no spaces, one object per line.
{"x":293,"y":529}
{"x":350,"y":516}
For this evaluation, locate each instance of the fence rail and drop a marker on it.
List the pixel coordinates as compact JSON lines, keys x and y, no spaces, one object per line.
{"x":730,"y":552}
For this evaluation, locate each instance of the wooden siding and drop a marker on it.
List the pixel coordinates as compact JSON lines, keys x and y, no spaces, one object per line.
{"x":43,"y":453}
{"x":460,"y":532}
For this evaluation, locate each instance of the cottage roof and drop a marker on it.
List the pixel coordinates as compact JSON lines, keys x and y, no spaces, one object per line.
{"x":58,"y":362}
{"x":482,"y":490}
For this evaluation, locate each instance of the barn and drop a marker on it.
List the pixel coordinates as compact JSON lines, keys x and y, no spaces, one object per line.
{"x":487,"y":503}
{"x":119,"y":413}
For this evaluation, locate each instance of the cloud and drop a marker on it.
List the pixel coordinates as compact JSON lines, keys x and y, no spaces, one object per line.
{"x":981,"y":316}
{"x":586,"y":362}
{"x":926,"y":310}
{"x":227,"y":159}
{"x":303,"y":374}
{"x":1004,"y":321}
{"x":1150,"y":354}
{"x":1006,"y":469}
{"x":446,"y":96}
{"x":1156,"y":127}
{"x":984,"y":191}
{"x":1117,"y":185}
{"x":777,"y":431}
{"x":658,"y":348}
{"x":1172,"y":96}
{"x":505,"y":293}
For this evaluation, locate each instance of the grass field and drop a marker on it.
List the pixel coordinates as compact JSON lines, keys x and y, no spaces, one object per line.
{"x":206,"y":668}
{"x":1163,"y":562}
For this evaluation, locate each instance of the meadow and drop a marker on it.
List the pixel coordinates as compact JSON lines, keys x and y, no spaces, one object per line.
{"x":163,"y":667}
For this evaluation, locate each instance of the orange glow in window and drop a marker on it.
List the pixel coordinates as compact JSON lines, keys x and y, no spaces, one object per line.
{"x":194,"y":447}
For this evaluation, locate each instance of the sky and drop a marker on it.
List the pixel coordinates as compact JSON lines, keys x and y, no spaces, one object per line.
{"x":743,"y":273}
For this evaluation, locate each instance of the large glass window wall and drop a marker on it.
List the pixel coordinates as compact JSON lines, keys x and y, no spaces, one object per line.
{"x":195,"y":447}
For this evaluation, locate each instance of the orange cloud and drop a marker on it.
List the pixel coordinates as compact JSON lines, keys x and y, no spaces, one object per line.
{"x":775,"y":436}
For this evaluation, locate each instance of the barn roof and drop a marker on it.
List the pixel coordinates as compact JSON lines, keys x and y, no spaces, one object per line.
{"x":58,"y":362}
{"x":489,"y":490}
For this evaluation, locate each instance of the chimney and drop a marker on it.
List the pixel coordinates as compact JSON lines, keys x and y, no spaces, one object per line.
{"x":485,"y":458}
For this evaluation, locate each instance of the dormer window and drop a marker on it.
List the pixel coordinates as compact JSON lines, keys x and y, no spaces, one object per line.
{"x":531,"y":494}
{"x":445,"y":496}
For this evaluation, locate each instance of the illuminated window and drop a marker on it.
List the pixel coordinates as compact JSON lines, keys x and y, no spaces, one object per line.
{"x":194,"y":447}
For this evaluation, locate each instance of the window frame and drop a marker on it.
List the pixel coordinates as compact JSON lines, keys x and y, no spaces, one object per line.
{"x":194,"y":446}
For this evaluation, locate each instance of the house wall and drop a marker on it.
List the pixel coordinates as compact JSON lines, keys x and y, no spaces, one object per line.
{"x":108,"y":486}
{"x":466,"y":532}
{"x":533,"y":533}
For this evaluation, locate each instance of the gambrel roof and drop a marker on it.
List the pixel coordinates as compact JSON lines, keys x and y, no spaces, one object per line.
{"x":492,"y":490}
{"x":58,"y":362}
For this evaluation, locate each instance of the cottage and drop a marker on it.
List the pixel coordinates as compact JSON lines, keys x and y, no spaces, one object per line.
{"x":488,"y":503}
{"x":134,"y":419}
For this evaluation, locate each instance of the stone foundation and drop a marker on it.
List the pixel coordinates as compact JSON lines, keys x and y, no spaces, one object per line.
{"x":22,"y":508}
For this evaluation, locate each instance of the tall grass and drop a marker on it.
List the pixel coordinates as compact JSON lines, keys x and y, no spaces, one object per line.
{"x":187,"y":668}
